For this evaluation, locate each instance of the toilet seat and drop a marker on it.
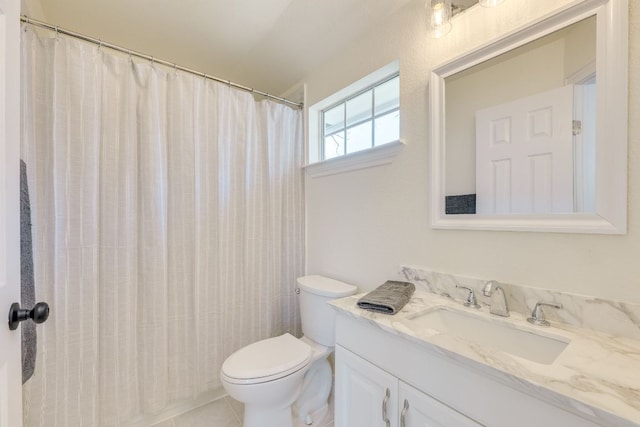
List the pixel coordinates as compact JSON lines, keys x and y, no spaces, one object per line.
{"x":266,"y":360}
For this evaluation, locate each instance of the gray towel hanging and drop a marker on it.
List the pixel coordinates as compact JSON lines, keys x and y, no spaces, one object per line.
{"x":27,"y":282}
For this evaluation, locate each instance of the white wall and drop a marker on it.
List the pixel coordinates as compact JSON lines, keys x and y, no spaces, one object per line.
{"x":580,"y":44}
{"x":33,"y":9}
{"x":362,"y":225}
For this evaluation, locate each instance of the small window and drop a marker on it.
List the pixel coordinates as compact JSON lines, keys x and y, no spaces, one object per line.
{"x":366,"y":119}
{"x":357,"y":127}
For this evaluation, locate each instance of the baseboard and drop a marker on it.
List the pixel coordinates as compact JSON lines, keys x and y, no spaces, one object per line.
{"x":177,"y":408}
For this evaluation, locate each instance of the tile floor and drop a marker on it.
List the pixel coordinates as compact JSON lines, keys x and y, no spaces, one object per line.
{"x":225,"y":412}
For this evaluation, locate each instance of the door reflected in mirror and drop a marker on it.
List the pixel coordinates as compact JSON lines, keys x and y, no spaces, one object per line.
{"x":521,"y":128}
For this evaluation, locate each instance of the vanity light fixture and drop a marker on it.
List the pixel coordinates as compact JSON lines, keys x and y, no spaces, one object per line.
{"x":440,"y":17}
{"x":441,"y":12}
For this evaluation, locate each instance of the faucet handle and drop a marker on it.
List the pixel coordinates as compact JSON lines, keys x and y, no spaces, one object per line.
{"x":537,"y":315}
{"x":471,"y":298}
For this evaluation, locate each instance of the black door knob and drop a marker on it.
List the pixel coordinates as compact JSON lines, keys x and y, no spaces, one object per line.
{"x":39,"y":314}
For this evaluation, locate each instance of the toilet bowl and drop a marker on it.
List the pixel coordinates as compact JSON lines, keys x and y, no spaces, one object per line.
{"x":312,"y":406}
{"x":267,"y":376}
{"x":285,"y":381}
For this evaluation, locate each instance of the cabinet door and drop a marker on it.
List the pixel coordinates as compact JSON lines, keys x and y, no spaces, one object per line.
{"x":365,"y":394}
{"x":418,"y":409}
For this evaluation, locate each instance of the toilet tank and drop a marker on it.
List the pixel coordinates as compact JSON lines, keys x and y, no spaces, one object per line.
{"x":318,"y":319}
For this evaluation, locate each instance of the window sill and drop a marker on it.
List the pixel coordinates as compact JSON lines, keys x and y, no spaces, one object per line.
{"x":368,"y":158}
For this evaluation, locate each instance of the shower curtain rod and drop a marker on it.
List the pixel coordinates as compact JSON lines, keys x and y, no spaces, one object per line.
{"x":130,"y":52}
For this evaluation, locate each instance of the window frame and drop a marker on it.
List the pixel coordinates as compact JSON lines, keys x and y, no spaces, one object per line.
{"x":372,"y":156}
{"x":372,"y":118}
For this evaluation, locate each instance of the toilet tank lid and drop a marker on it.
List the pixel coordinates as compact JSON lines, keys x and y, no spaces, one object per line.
{"x":326,"y":287}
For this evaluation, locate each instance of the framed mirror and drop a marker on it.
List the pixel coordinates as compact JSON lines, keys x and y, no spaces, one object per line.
{"x":529,"y":132}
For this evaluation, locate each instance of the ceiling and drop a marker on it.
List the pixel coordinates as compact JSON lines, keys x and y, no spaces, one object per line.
{"x":270,"y":45}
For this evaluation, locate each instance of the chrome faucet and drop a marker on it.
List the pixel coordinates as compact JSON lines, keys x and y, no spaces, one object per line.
{"x":471,"y":298}
{"x":537,"y":316}
{"x":498,"y":304}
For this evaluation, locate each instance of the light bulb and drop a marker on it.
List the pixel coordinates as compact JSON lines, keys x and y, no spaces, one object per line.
{"x":440,"y":17}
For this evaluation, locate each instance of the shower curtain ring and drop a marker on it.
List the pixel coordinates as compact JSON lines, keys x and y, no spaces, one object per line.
{"x":57,"y":33}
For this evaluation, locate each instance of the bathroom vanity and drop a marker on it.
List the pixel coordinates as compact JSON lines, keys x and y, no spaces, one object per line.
{"x":410,"y":370}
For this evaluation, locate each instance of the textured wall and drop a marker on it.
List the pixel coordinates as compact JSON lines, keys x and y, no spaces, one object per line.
{"x":32,"y":9}
{"x":362,"y":225}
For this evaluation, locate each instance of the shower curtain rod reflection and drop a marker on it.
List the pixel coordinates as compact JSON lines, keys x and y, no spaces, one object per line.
{"x":130,"y":52}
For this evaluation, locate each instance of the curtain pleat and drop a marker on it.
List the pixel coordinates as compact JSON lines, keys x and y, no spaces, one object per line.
{"x":167,"y":224}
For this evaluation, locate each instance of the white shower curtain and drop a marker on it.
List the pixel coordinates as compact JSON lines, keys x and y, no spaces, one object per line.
{"x":168,"y":229}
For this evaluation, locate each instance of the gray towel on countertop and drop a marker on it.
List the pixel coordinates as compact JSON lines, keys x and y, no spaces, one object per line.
{"x":27,"y":282}
{"x":388,"y":298}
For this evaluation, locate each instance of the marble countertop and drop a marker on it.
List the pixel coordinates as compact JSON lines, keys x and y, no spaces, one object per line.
{"x":597,"y":374}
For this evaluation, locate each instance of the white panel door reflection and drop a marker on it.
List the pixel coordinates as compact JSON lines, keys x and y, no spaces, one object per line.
{"x":524,"y":155}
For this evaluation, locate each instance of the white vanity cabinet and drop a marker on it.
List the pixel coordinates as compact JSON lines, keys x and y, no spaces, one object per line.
{"x":418,"y":409}
{"x":441,"y":390}
{"x":367,"y":396}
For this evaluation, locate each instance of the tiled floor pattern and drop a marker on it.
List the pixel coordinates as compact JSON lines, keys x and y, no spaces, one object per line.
{"x":225,"y":412}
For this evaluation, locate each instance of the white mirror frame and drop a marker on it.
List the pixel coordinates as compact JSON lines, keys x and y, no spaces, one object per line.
{"x":610,"y":215}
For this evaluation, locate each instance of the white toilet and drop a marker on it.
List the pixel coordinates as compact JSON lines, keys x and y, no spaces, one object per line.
{"x":286,"y":381}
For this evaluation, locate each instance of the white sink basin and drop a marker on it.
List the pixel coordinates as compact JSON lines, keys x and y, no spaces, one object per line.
{"x":528,"y":343}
